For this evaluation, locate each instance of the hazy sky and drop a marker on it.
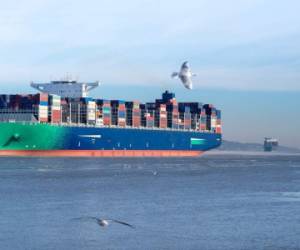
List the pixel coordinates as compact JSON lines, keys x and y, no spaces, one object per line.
{"x":246,"y":54}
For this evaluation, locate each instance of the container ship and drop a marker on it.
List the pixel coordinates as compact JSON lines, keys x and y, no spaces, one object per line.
{"x":62,"y":120}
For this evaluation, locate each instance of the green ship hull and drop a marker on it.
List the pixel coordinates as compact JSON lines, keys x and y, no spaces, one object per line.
{"x":44,"y":139}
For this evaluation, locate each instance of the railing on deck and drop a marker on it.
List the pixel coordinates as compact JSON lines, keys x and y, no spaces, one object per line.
{"x":79,"y":115}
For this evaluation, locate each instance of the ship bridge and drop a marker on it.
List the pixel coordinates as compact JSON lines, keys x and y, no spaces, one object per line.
{"x":66,"y":88}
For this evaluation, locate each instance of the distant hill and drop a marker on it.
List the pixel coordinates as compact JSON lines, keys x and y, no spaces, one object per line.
{"x":239,"y":146}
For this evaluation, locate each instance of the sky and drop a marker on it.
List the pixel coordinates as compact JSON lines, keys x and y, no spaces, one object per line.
{"x":246,"y":54}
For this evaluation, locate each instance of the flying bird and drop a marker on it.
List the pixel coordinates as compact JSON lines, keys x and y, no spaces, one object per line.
{"x":185,"y":75}
{"x":104,"y":222}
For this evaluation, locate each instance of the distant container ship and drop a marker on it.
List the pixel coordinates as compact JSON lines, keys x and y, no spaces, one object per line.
{"x":270,"y":144}
{"x":62,"y":120}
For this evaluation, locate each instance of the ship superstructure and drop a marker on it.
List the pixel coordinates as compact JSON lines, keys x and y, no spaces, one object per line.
{"x":66,"y":88}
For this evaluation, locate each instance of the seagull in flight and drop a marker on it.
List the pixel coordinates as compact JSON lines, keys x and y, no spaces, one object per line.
{"x":185,"y":75}
{"x":104,"y":222}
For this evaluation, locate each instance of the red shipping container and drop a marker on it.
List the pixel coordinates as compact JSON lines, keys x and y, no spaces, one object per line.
{"x":163,"y":125}
{"x":56,"y":112}
{"x":106,"y":121}
{"x":43,"y":97}
{"x":121,"y":124}
{"x":42,"y":119}
{"x":56,"y":116}
{"x":136,"y":121}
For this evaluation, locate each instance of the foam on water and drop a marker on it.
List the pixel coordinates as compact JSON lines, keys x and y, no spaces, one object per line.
{"x":289,"y":196}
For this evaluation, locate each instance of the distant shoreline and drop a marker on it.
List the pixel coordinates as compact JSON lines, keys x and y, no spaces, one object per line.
{"x":233,"y":147}
{"x":250,"y":153}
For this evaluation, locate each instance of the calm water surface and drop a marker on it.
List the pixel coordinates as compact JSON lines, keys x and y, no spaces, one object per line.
{"x":213,"y":202}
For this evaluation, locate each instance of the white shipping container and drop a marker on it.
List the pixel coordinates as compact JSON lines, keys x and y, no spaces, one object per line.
{"x":57,"y":104}
{"x":55,"y":100}
{"x":43,"y":116}
{"x":55,"y":108}
{"x":91,"y":104}
{"x":41,"y":107}
{"x":91,"y":116}
{"x":99,"y":122}
{"x":43,"y":111}
{"x":91,"y":113}
{"x":213,"y":125}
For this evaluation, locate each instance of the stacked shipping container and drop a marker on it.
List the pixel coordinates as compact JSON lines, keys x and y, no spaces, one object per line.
{"x":202,"y":121}
{"x":213,"y":120}
{"x":187,"y":118}
{"x":65,"y":112}
{"x":172,"y":114}
{"x":163,"y":113}
{"x":4,"y":101}
{"x":118,"y":113}
{"x":210,"y":112}
{"x":55,"y":108}
{"x":99,"y":112}
{"x":91,"y":112}
{"x":122,"y":114}
{"x":149,"y":119}
{"x":43,"y":107}
{"x":133,"y":112}
{"x":106,"y":111}
{"x":136,"y":114}
{"x":219,"y":125}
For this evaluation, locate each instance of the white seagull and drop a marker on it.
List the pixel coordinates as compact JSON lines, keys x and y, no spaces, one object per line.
{"x":104,"y":222}
{"x":185,"y":75}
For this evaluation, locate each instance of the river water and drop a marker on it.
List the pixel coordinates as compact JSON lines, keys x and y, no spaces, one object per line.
{"x":212,"y":202}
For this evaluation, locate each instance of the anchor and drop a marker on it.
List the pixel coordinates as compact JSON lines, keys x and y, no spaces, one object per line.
{"x":14,"y":138}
